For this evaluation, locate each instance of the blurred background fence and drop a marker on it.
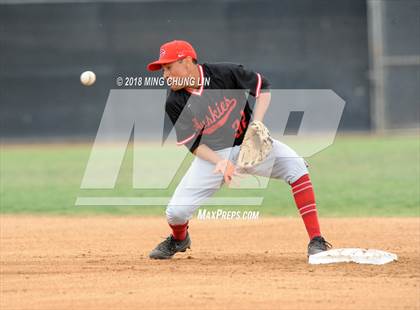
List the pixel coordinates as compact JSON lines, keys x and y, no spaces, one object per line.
{"x":367,"y":51}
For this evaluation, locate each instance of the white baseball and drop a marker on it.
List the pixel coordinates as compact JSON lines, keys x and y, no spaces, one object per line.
{"x":88,"y":78}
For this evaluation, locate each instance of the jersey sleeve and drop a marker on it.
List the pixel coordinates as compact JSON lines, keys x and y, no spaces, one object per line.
{"x":182,"y":121}
{"x":254,"y":81}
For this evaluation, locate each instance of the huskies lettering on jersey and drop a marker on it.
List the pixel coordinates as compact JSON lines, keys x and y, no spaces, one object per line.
{"x":219,"y":112}
{"x":216,"y":117}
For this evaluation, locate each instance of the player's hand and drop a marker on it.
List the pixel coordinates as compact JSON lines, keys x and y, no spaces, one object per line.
{"x":227,"y":168}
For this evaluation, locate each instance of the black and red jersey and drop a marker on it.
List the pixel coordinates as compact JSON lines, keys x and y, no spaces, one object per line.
{"x":217,"y":114}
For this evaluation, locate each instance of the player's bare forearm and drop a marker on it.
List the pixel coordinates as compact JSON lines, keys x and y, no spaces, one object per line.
{"x":263,"y":101}
{"x":222,"y":166}
{"x":206,"y":153}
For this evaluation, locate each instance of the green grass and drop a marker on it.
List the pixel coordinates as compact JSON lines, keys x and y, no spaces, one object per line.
{"x":356,"y":176}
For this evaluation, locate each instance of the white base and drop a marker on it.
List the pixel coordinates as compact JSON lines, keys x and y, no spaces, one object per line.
{"x":359,"y":256}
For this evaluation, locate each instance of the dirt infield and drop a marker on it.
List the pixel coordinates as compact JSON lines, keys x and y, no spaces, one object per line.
{"x":102,"y":263}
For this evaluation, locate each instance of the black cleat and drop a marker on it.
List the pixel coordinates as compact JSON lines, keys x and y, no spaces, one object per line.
{"x":167,"y":248}
{"x":317,"y":245}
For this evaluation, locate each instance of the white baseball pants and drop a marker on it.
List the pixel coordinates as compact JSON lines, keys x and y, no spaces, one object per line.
{"x":200,"y":183}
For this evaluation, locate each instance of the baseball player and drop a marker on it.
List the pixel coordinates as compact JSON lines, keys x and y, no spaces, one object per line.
{"x":211,"y":119}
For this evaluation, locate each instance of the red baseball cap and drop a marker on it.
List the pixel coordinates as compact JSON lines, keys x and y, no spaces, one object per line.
{"x":172,"y":51}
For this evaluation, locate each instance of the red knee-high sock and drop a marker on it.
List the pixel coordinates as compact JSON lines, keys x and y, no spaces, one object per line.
{"x":179,"y":232}
{"x":305,"y":202}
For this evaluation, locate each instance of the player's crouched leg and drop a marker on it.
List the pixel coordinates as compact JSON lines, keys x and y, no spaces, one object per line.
{"x":198,"y":184}
{"x":292,"y":169}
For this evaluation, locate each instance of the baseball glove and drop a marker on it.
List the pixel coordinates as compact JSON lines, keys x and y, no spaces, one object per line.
{"x":256,"y":145}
